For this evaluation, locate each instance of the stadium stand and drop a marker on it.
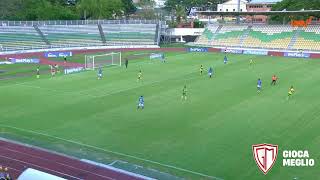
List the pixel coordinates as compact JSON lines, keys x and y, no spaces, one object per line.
{"x":269,"y":36}
{"x":262,"y":36}
{"x":308,"y":38}
{"x":72,"y":35}
{"x":130,"y":34}
{"x":38,"y":36}
{"x":208,"y":34}
{"x":228,"y":35}
{"x":20,"y":38}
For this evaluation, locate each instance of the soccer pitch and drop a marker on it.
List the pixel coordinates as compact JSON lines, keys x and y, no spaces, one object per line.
{"x":211,"y":133}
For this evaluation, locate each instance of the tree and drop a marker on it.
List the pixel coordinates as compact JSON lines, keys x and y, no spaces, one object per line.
{"x":147,"y":14}
{"x":291,"y":5}
{"x":180,"y":13}
{"x":179,"y":8}
{"x":171,"y":4}
{"x":146,"y":4}
{"x":35,"y":10}
{"x":101,"y":9}
{"x":129,"y":8}
{"x":8,"y":9}
{"x":64,"y":9}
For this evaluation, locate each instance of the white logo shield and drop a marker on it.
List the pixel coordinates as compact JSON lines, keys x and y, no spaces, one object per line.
{"x":265,"y":156}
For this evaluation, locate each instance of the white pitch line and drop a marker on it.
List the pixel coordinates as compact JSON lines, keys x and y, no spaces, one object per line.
{"x":102,"y":95}
{"x":66,"y":165}
{"x":80,"y":92}
{"x":147,"y":84}
{"x":40,"y":167}
{"x":113,"y":152}
{"x":56,"y":91}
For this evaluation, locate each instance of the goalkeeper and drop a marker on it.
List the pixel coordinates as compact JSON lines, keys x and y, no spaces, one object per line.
{"x":126,"y":63}
{"x":100,"y":73}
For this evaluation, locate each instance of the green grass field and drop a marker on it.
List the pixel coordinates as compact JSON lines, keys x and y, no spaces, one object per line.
{"x":210,"y":133}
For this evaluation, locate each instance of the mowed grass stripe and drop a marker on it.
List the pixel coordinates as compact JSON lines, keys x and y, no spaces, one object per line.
{"x":212,"y":132}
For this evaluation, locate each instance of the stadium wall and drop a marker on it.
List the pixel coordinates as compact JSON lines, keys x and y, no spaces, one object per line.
{"x":274,"y":53}
{"x":279,"y":53}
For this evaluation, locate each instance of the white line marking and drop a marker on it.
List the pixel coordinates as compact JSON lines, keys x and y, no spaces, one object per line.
{"x":113,"y":152}
{"x":57,"y":91}
{"x":39,"y":167}
{"x":62,"y":164}
{"x":147,"y":84}
{"x":102,"y":95}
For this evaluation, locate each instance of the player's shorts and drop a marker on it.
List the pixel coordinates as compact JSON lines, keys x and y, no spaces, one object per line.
{"x":184,"y":94}
{"x":99,"y":75}
{"x":210,"y":74}
{"x":141,"y":104}
{"x":289,"y":93}
{"x":258,"y":86}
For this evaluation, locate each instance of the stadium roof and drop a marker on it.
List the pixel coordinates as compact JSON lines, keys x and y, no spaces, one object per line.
{"x":264,"y":1}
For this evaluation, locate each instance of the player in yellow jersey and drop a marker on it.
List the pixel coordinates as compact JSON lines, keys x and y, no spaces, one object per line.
{"x":201,"y":69}
{"x":290,"y":93}
{"x":251,"y":62}
{"x":139,"y":76}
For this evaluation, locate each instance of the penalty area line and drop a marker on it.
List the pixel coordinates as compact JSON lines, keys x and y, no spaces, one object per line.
{"x":113,"y":152}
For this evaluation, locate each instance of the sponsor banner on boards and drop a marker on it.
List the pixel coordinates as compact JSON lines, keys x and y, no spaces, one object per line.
{"x":5,"y":62}
{"x":297,"y":54}
{"x":156,"y":56}
{"x":24,"y":60}
{"x":255,"y":52}
{"x":197,"y":49}
{"x":73,"y":70}
{"x":57,"y":54}
{"x":232,"y":51}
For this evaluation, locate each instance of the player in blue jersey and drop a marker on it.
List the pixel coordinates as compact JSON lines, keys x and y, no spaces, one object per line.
{"x":100,"y":73}
{"x":225,"y":60}
{"x":259,"y":85}
{"x":141,"y":102}
{"x":210,"y":72}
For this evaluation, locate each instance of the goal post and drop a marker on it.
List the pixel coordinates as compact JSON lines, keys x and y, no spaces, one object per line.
{"x":102,"y":60}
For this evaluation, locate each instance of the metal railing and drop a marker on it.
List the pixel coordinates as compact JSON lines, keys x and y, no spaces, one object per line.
{"x":249,"y":47}
{"x":76,"y":22}
{"x":23,"y":48}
